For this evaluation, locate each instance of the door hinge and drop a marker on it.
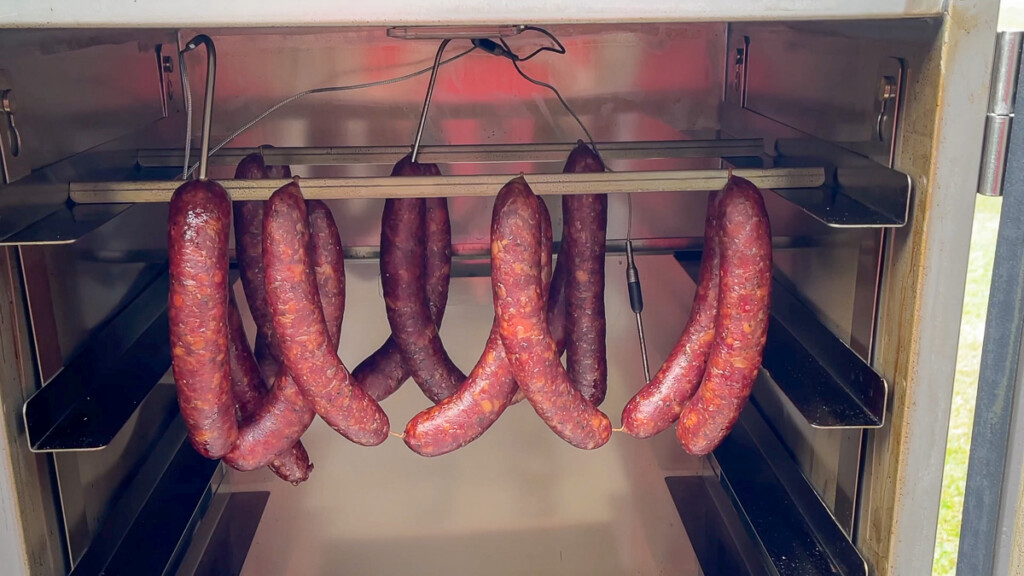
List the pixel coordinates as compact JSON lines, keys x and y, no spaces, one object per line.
{"x":999,"y":118}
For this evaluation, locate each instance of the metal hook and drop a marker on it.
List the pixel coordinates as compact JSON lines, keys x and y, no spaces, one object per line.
{"x":211,"y":75}
{"x":426,"y":101}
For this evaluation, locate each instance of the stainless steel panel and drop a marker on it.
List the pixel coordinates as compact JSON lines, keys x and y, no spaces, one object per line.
{"x":518,"y":500}
{"x":78,"y":89}
{"x":67,"y":13}
{"x":627,"y":83}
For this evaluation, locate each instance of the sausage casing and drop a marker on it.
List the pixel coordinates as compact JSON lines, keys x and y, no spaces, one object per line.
{"x":403,"y":258}
{"x":250,"y":393}
{"x":585,"y":221}
{"x":658,"y":404}
{"x":745,"y":256}
{"x":520,"y":304}
{"x":384,"y":371}
{"x":249,"y":255}
{"x":485,"y":394}
{"x":301,"y":329}
{"x":199,"y":225}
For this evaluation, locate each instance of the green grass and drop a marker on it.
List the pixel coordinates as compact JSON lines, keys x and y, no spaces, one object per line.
{"x":972,"y":331}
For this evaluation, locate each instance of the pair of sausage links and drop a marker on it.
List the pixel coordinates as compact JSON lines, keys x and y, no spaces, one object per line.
{"x":745,"y":245}
{"x":197,"y":238}
{"x":266,"y":435}
{"x":556,"y":311}
{"x":384,"y":371}
{"x":520,"y":304}
{"x":658,"y":404}
{"x":485,"y":394}
{"x":249,"y":255}
{"x":403,"y":258}
{"x":585,"y":222}
{"x":250,"y":393}
{"x":301,"y":329}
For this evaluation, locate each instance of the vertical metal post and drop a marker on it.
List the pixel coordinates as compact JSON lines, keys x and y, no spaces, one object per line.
{"x":996,"y":468}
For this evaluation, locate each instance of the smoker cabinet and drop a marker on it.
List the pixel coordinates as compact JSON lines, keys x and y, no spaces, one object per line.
{"x":863,"y":122}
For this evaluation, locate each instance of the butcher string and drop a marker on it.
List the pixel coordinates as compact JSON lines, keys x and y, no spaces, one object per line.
{"x":322,"y":90}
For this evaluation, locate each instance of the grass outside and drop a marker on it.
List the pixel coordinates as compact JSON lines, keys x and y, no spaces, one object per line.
{"x":972,"y":331}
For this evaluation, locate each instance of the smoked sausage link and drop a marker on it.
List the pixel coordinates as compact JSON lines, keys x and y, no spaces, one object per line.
{"x":520,"y":304}
{"x":403,"y":257}
{"x":266,"y":434}
{"x":483,"y":397}
{"x":384,"y":371}
{"x":745,"y":256}
{"x":249,"y":255}
{"x":585,"y":221}
{"x":250,"y":393}
{"x":658,"y":404}
{"x":301,"y":328}
{"x":197,"y":238}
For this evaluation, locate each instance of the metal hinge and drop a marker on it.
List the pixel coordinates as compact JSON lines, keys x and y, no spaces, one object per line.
{"x":999,"y":119}
{"x":12,"y":161}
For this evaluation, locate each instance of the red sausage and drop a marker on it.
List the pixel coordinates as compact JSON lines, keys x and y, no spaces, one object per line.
{"x":403,"y":257}
{"x":249,"y":255}
{"x":658,"y":404}
{"x":301,"y":329}
{"x":285,"y":415}
{"x":585,"y":220}
{"x":197,"y":238}
{"x":467,"y":414}
{"x":328,"y":265}
{"x":249,"y":391}
{"x":745,"y":245}
{"x":516,"y":280}
{"x":384,"y":371}
{"x":556,"y":312}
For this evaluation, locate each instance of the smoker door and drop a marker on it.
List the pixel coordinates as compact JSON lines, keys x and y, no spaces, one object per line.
{"x":992,"y":530}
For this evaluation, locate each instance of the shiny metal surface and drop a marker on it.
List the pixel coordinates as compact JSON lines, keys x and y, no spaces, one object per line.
{"x":67,"y":225}
{"x":88,"y":402}
{"x":426,"y":99}
{"x":12,"y":165}
{"x":795,"y":530}
{"x":466,"y":153}
{"x":456,"y":186}
{"x":78,"y":89}
{"x":999,"y":119}
{"x":825,"y":380}
{"x":196,"y":13}
{"x":211,"y":81}
{"x":151,"y":522}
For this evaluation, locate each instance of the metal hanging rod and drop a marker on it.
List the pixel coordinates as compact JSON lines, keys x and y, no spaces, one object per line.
{"x":473,"y":154}
{"x":477,"y":185}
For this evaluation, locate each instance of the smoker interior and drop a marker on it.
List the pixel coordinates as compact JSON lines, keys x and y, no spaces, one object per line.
{"x":518,"y":500}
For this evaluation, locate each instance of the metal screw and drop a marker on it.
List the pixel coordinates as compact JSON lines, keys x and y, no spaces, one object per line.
{"x":168,"y":64}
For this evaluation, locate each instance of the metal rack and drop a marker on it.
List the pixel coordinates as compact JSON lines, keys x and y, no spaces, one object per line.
{"x":837,"y":192}
{"x":793,"y":530}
